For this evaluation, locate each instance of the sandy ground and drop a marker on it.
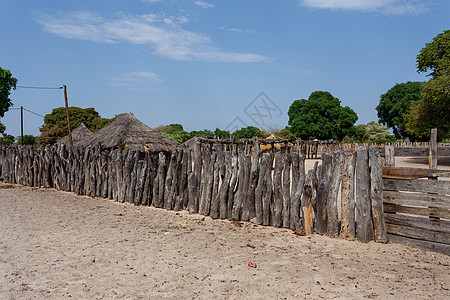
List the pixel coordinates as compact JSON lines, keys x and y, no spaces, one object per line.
{"x":57,"y":245}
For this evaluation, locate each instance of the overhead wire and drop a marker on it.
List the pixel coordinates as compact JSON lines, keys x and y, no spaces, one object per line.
{"x":39,"y":87}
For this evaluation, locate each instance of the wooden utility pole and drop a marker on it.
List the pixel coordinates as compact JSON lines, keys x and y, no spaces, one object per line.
{"x":21,"y":125}
{"x":67,"y":113}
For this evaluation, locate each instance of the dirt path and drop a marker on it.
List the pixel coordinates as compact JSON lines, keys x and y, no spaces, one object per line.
{"x":56,"y":245}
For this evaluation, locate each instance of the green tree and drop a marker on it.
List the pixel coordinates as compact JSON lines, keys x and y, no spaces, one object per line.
{"x":395,"y":104}
{"x":320,"y":117}
{"x":248,"y":133}
{"x":28,"y":139}
{"x":433,"y":109}
{"x":176,"y":132}
{"x":7,"y":83}
{"x":221,"y":134}
{"x":205,"y":133}
{"x":55,"y":123}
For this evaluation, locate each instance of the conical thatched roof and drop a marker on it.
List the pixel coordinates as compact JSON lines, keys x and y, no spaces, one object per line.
{"x":78,"y":135}
{"x":128,"y":131}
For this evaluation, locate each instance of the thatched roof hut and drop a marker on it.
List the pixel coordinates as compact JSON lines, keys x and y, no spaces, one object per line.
{"x":128,"y":131}
{"x":78,"y":135}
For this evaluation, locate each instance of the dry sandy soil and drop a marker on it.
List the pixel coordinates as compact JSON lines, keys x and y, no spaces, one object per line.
{"x":57,"y":245}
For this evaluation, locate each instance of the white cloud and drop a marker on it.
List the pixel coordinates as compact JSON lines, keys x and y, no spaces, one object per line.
{"x":232,"y":29}
{"x":136,"y":80}
{"x":164,"y":34}
{"x":388,"y":7}
{"x":204,"y":4}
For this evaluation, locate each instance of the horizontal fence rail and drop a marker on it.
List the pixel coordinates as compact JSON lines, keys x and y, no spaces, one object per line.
{"x":417,"y":210}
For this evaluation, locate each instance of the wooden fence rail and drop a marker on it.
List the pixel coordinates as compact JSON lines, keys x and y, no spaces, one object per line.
{"x":226,"y":181}
{"x":417,"y":211}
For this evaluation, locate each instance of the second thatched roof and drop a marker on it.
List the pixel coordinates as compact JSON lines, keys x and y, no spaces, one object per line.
{"x":78,"y":135}
{"x":128,"y":131}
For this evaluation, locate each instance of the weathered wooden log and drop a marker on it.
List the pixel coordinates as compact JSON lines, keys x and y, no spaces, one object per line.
{"x":315,"y":184}
{"x":364,"y":230}
{"x":141,"y":177}
{"x":287,"y":190}
{"x":294,"y":181}
{"x":259,"y":191}
{"x":214,"y":208}
{"x":295,"y":223}
{"x":149,"y":179}
{"x":376,"y":195}
{"x":240,"y":193}
{"x":129,"y":171}
{"x":233,"y":183}
{"x":322,"y":195}
{"x":268,"y":192}
{"x":197,"y":153}
{"x":210,"y":183}
{"x":253,"y":181}
{"x":168,"y":181}
{"x":348,"y":229}
{"x":307,"y":220}
{"x":277,"y":193}
{"x":206,"y":157}
{"x":335,"y":183}
{"x":389,"y":151}
{"x":432,"y":159}
{"x":224,"y":188}
{"x":158,"y":186}
{"x":183,"y":197}
{"x":104,"y":174}
{"x":174,"y":188}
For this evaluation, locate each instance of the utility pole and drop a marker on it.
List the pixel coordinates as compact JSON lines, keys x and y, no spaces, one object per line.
{"x":67,"y":113}
{"x":21,"y":125}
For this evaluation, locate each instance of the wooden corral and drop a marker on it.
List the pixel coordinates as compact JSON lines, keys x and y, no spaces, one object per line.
{"x":222,"y":179}
{"x":417,"y":208}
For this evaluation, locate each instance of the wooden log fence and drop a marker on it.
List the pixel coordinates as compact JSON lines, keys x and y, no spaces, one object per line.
{"x":226,"y":181}
{"x":417,"y":210}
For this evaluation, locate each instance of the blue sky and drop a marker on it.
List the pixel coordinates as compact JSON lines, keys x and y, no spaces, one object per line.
{"x":212,"y":63}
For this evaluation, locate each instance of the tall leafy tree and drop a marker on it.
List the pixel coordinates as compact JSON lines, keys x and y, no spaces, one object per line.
{"x":248,"y":133}
{"x":320,"y":117}
{"x":395,"y":104}
{"x":55,"y":123}
{"x":7,"y":83}
{"x":433,"y":109}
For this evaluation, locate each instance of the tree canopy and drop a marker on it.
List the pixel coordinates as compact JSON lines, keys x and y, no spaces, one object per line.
{"x":433,"y":109}
{"x":7,"y":83}
{"x":395,"y":104}
{"x":249,"y":132}
{"x":55,"y":123}
{"x":320,"y":117}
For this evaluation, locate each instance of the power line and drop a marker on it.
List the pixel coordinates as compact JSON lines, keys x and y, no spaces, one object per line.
{"x":35,"y":113}
{"x":39,"y":87}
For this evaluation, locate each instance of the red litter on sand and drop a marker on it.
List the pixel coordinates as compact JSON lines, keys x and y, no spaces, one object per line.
{"x":251,"y":265}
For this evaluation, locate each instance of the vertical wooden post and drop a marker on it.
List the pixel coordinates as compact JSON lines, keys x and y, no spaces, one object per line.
{"x":67,"y":114}
{"x":364,"y":229}
{"x":389,"y":152}
{"x":348,"y":196}
{"x":21,"y":125}
{"x":322,"y":194}
{"x":376,"y":195}
{"x":433,"y":149}
{"x":335,"y":183}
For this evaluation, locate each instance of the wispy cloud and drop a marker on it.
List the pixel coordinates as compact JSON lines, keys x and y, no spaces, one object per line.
{"x":387,"y":7}
{"x":232,"y":29}
{"x":136,"y":80}
{"x":164,"y":34}
{"x":204,"y":4}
